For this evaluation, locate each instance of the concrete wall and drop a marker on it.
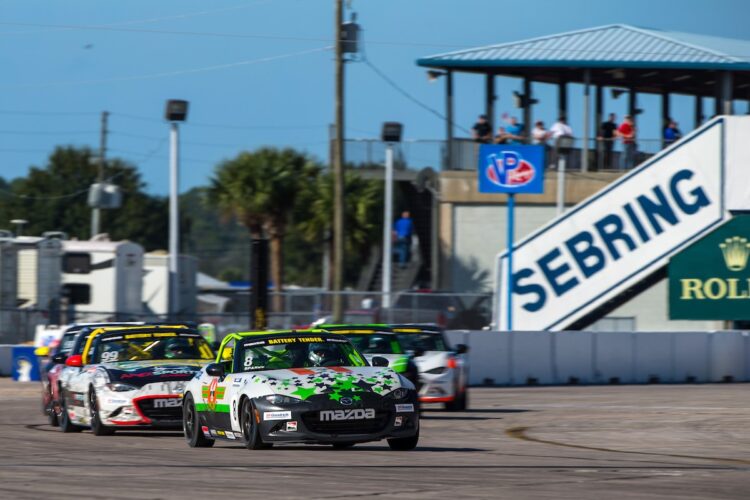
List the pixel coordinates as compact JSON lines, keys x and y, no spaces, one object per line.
{"x":529,"y":358}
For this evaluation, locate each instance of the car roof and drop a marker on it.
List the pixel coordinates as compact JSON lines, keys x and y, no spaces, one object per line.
{"x":130,"y":329}
{"x":416,"y":328}
{"x":354,"y":328}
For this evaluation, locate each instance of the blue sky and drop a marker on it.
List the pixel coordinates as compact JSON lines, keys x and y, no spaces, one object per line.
{"x":260,"y":72}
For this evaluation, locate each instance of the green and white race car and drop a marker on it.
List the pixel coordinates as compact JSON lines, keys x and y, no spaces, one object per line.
{"x":306,"y":386}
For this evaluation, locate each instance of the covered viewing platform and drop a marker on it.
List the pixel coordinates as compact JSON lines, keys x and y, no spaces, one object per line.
{"x":625,"y":60}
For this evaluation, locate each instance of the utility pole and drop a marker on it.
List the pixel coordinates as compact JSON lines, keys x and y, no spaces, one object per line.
{"x":338,"y":170}
{"x":96,"y":211}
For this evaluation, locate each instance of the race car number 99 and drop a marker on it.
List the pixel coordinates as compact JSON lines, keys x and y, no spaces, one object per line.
{"x":108,"y":357}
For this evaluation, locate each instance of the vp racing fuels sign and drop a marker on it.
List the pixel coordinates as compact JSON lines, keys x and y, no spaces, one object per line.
{"x":511,"y":169}
{"x":617,"y":237}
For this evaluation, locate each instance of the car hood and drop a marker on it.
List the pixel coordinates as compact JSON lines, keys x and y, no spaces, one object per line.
{"x":432,"y":359}
{"x":140,"y":373}
{"x":303,"y":383}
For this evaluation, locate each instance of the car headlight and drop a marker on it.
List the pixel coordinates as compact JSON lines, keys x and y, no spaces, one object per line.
{"x":399,"y":393}
{"x":120,"y":387}
{"x":436,"y":371}
{"x":278,"y":399}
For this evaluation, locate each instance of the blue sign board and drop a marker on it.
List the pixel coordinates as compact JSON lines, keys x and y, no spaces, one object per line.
{"x":25,"y":364}
{"x":506,"y":168}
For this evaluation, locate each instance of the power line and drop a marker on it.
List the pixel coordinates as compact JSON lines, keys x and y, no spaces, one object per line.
{"x":47,"y":113}
{"x":47,"y":132}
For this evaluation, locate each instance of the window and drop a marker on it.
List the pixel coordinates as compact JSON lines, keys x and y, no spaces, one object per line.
{"x":77,"y":293}
{"x":77,"y":263}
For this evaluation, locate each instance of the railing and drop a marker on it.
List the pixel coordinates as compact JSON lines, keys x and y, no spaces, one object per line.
{"x":300,"y":309}
{"x":416,"y":154}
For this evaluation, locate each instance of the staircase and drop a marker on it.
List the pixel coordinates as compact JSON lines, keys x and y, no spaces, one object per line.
{"x":615,"y":244}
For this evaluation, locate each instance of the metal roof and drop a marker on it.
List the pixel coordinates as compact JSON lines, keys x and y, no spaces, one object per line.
{"x":616,"y":45}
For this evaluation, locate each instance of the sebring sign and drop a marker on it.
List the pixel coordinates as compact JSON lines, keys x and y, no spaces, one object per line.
{"x":618,"y":237}
{"x":711,"y":279}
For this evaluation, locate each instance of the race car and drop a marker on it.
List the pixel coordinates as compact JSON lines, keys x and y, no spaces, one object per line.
{"x":304,"y":386}
{"x":55,"y":364}
{"x":443,"y":372}
{"x":379,"y":340}
{"x":131,"y":377}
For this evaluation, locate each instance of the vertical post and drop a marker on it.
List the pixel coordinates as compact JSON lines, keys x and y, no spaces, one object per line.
{"x":527,"y":110}
{"x":586,"y":120}
{"x":489,"y":99}
{"x":562,"y":100}
{"x":174,"y":217}
{"x":633,"y":104}
{"x":449,"y":119}
{"x":560,"y":181}
{"x":727,"y":107}
{"x":665,"y":115}
{"x":598,"y":120}
{"x":698,"y":110}
{"x":96,"y":211}
{"x":259,"y":284}
{"x":387,"y":223}
{"x":511,"y":219}
{"x":435,"y":241}
{"x":338,"y":171}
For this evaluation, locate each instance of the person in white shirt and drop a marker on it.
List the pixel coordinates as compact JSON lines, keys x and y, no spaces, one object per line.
{"x":560,"y":129}
{"x":539,"y":134}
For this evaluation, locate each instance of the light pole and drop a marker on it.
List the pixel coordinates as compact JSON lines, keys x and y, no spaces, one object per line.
{"x":19,"y":223}
{"x":391,"y":133}
{"x":176,"y":112}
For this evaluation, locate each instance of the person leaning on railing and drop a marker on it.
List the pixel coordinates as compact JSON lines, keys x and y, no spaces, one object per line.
{"x":626,"y":131}
{"x":606,"y":138}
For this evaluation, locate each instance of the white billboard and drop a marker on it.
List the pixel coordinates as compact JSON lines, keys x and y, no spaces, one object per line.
{"x":617,"y":237}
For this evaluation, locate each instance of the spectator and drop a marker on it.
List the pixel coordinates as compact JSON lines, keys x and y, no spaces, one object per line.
{"x":559,"y":129}
{"x":402,"y":232}
{"x":671,"y":133}
{"x":501,"y":137}
{"x":626,"y":132}
{"x":482,"y":131}
{"x":607,"y":139}
{"x":514,"y":130}
{"x":539,"y":134}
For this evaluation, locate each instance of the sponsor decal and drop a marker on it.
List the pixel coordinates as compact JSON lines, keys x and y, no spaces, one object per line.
{"x":212,"y":393}
{"x":355,"y":414}
{"x":291,"y":426}
{"x":277,"y":415}
{"x":292,"y":340}
{"x":205,"y":431}
{"x":230,"y":435}
{"x":346,"y":401}
{"x":167,"y":403}
{"x":218,"y":433}
{"x":238,"y":435}
{"x":406,"y":408}
{"x":113,"y":401}
{"x":398,"y":422}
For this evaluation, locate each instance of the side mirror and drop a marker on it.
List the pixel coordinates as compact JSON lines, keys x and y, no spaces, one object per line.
{"x":215,"y":370}
{"x":75,"y":360}
{"x":59,"y":358}
{"x":379,"y":361}
{"x":42,"y":352}
{"x":462,"y":348}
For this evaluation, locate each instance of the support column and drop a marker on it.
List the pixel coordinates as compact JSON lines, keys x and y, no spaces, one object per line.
{"x":633,"y":104}
{"x":665,"y":115}
{"x":698,"y":111}
{"x":562,"y":100}
{"x":449,"y":119}
{"x":586,"y":120}
{"x":527,"y":114}
{"x":489,"y":100}
{"x":598,"y":120}
{"x":727,"y":82}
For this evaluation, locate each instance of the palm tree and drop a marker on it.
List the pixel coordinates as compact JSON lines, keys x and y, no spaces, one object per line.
{"x":259,"y":190}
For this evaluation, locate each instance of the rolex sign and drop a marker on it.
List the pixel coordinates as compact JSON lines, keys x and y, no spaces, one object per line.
{"x":710,"y":279}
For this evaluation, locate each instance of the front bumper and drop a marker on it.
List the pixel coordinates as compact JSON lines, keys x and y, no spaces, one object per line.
{"x":438,"y":388}
{"x":150,"y":407}
{"x":377,"y":418}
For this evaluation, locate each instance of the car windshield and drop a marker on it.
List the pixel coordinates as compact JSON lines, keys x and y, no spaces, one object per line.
{"x":67,"y":342}
{"x":423,"y":341}
{"x":114,"y":348}
{"x":373,"y":343}
{"x":277,"y":353}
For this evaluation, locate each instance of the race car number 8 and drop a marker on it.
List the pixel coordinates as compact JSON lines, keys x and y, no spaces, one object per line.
{"x":108,"y":357}
{"x":248,"y":361}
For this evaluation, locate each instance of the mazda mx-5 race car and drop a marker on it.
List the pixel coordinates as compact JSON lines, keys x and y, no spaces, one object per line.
{"x":443,"y":371}
{"x":131,"y":377}
{"x":379,"y":340}
{"x":306,"y":386}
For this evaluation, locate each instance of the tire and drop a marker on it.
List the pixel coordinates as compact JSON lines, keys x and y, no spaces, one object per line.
{"x":250,"y":430}
{"x":460,"y":402}
{"x":51,"y":411}
{"x":404,"y":444}
{"x":343,"y":446}
{"x":191,"y":425}
{"x":65,"y":424}
{"x":97,"y":427}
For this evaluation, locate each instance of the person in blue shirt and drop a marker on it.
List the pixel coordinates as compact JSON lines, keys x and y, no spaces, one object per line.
{"x":402,"y":232}
{"x":671,"y":133}
{"x":515,"y":131}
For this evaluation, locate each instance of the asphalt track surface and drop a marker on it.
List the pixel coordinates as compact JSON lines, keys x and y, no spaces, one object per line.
{"x":615,"y":442}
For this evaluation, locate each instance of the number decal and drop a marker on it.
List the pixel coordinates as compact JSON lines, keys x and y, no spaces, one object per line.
{"x":108,"y":357}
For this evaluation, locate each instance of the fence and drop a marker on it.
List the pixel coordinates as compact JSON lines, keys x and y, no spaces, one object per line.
{"x":299,"y":309}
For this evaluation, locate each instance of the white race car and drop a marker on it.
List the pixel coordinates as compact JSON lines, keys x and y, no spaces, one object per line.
{"x":131,"y":377}
{"x":306,"y":386}
{"x":443,"y":372}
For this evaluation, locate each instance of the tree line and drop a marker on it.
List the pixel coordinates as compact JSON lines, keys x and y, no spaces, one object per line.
{"x":280,"y":194}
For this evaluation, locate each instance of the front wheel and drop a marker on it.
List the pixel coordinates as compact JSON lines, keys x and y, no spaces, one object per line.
{"x":65,"y":424}
{"x":192,"y":427}
{"x":250,"y":428}
{"x":97,"y":427}
{"x":404,"y":444}
{"x":52,"y":417}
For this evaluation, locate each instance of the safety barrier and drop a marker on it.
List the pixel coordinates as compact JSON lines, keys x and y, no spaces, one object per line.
{"x":576,"y":357}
